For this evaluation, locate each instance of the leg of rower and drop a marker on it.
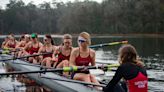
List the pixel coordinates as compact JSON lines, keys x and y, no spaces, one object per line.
{"x":60,"y":65}
{"x":20,"y":53}
{"x":30,"y":59}
{"x":43,"y":62}
{"x":40,"y":59}
{"x":64,"y":63}
{"x":35,"y":61}
{"x":48,"y":62}
{"x":82,"y":77}
{"x":93,"y":80}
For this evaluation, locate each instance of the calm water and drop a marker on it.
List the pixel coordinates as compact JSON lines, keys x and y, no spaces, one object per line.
{"x":150,"y":49}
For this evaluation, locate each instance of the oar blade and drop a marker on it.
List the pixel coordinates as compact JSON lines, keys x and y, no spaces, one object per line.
{"x":108,"y":44}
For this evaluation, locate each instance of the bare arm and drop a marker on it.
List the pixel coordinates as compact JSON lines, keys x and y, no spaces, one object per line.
{"x":56,"y":49}
{"x":19,"y":44}
{"x":40,"y":49}
{"x":7,"y":45}
{"x":40,"y":45}
{"x":73,"y":57}
{"x":3,"y":44}
{"x":93,"y":56}
{"x":27,"y":46}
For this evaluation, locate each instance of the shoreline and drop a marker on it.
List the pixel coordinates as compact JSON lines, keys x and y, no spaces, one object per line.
{"x":103,"y":35}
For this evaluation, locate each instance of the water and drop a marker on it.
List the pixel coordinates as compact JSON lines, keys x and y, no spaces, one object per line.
{"x":150,"y":49}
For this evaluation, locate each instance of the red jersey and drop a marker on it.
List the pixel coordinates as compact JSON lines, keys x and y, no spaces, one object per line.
{"x":80,"y":61}
{"x":138,"y":84}
{"x":33,"y":49}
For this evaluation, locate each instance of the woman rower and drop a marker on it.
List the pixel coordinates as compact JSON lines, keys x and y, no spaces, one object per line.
{"x":22,"y":44}
{"x":11,"y":43}
{"x":83,"y":56}
{"x":5,"y":41}
{"x":33,"y":47}
{"x":47,"y":48}
{"x":131,"y":69}
{"x":63,"y":52}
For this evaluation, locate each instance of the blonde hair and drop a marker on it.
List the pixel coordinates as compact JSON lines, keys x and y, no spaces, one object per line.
{"x":86,"y":36}
{"x":67,"y":36}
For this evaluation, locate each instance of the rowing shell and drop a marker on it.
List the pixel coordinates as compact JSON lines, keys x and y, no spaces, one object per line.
{"x":54,"y":85}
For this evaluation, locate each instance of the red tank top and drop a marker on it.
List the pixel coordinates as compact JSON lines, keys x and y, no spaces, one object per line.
{"x":80,"y":61}
{"x":138,"y":84}
{"x":12,"y":45}
{"x":62,"y":57}
{"x":33,"y":49}
{"x":47,"y":55}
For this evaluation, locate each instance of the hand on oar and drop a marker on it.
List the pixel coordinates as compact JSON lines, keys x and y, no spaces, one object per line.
{"x":108,"y":44}
{"x":33,"y":55}
{"x":64,"y":69}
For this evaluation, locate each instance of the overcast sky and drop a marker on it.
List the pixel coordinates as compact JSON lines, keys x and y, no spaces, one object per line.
{"x":4,"y":2}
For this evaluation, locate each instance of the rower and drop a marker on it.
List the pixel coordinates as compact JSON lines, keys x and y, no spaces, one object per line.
{"x":11,"y":43}
{"x":131,"y":69}
{"x":83,"y":56}
{"x":62,"y":53}
{"x":32,"y":47}
{"x":22,"y":44}
{"x":47,"y":47}
{"x":5,"y":41}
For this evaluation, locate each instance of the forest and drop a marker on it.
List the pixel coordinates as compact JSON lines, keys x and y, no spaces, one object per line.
{"x":108,"y":17}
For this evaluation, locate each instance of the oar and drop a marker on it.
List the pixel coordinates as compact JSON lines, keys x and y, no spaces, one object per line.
{"x":156,"y":80}
{"x":108,"y":44}
{"x":37,"y":65}
{"x":64,"y":69}
{"x":33,"y":55}
{"x":75,"y":81}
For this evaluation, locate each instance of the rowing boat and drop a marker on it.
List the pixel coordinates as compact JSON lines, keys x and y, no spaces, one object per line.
{"x":54,"y":85}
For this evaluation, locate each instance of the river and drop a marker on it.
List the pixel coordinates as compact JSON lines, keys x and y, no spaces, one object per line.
{"x":150,"y":49}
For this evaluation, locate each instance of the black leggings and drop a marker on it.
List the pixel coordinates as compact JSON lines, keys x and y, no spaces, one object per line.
{"x":120,"y":87}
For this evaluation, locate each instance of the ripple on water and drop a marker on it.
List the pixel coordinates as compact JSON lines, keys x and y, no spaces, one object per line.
{"x":156,"y":87}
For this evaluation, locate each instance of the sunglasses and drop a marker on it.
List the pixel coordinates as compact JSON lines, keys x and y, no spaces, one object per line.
{"x":81,"y":41}
{"x":45,"y":39}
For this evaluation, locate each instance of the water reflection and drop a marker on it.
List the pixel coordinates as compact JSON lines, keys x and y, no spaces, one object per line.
{"x":19,"y":83}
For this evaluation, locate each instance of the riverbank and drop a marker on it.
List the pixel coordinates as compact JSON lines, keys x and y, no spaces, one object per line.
{"x":105,"y":35}
{"x":130,"y":35}
{"x":124,"y":35}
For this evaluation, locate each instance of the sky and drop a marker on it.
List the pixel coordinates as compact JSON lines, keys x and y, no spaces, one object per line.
{"x":4,"y":2}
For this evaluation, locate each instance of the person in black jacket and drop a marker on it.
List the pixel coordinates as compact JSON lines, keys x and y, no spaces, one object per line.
{"x":131,"y":69}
